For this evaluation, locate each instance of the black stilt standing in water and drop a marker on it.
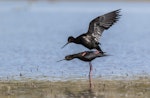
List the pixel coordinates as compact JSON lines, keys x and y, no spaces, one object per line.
{"x":96,"y":27}
{"x":88,"y":57}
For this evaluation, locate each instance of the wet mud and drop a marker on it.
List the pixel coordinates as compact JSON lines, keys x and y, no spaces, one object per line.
{"x":137,"y":88}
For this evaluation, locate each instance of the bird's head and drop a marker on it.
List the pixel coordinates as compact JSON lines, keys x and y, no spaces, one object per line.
{"x":70,"y":39}
{"x":69,"y":57}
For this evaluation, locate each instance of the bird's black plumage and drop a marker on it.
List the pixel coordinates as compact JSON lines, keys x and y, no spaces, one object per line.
{"x":89,"y":56}
{"x":96,"y":27}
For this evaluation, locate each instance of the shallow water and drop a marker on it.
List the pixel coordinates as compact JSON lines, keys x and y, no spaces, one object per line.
{"x":32,"y":34}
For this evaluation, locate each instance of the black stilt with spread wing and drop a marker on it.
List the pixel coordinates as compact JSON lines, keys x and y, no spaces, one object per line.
{"x":96,"y":28}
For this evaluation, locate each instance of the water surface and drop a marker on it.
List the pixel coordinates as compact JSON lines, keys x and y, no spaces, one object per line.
{"x":32,"y":34}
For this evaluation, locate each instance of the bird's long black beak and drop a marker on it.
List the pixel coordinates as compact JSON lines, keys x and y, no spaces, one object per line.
{"x":65,"y":45}
{"x":60,"y":60}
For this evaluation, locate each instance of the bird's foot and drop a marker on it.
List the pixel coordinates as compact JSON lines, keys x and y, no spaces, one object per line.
{"x":97,"y":52}
{"x":83,"y":54}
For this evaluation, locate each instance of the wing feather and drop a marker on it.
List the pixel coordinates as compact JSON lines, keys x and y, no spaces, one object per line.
{"x":101,"y":23}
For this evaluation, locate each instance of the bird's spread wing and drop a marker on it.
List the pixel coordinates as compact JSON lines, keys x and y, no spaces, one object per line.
{"x":101,"y":23}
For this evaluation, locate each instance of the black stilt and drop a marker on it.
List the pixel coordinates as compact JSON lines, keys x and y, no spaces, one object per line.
{"x":86,"y":56}
{"x":90,"y":39}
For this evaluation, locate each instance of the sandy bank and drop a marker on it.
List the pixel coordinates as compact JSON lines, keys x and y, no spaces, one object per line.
{"x":139,"y":88}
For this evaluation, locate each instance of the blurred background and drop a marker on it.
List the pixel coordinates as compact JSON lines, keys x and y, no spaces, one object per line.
{"x":32,"y":33}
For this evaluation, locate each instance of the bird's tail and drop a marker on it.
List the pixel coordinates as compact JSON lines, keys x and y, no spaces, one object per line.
{"x":106,"y":54}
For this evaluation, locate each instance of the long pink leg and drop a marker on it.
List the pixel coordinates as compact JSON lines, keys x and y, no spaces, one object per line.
{"x":90,"y":75}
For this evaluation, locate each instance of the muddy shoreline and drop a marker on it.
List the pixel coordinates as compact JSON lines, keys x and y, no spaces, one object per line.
{"x":135,"y":88}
